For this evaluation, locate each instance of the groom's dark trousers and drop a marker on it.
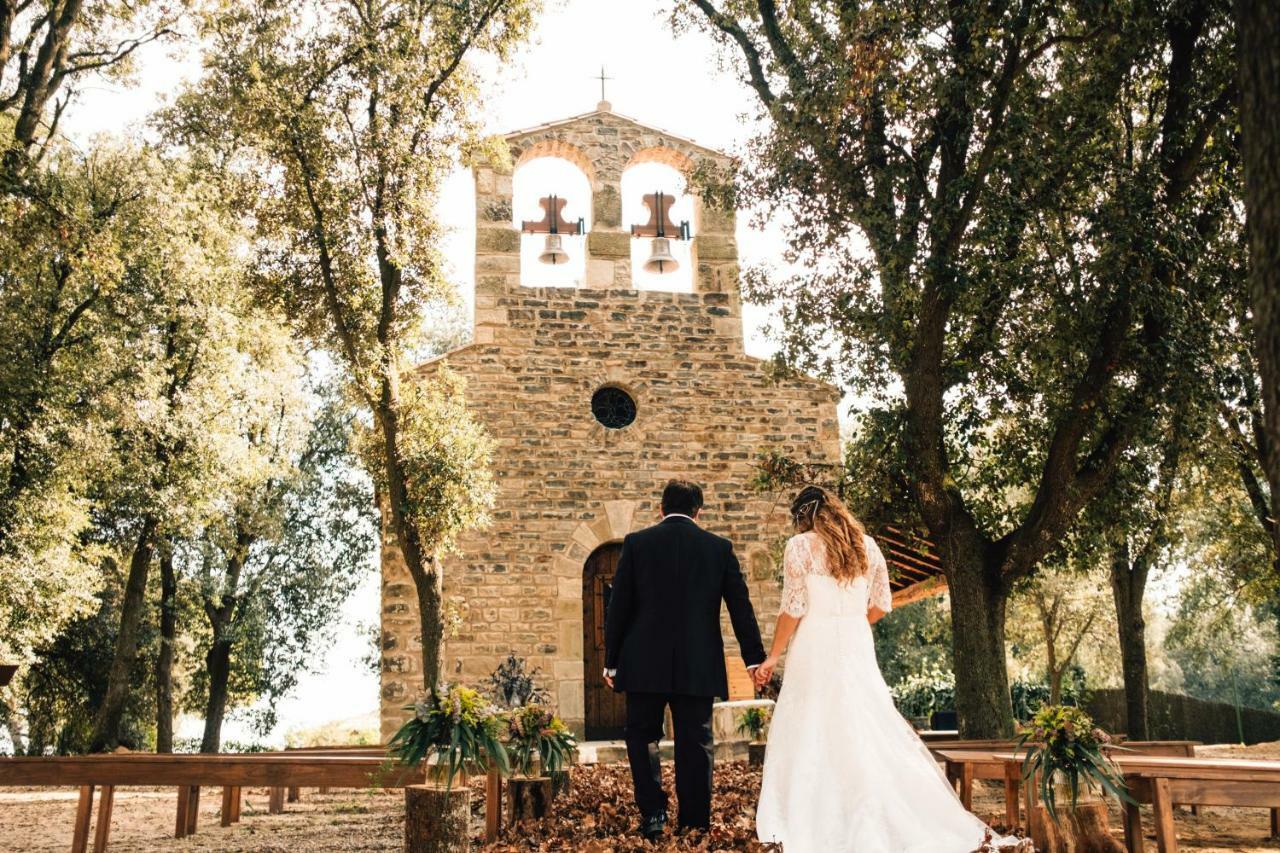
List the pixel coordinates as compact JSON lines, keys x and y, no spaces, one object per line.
{"x":662,"y":636}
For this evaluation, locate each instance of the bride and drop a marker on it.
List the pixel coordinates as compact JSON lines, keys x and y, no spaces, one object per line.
{"x":844,"y":771}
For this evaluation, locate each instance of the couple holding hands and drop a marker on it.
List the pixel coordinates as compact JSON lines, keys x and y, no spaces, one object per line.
{"x":843,"y":770}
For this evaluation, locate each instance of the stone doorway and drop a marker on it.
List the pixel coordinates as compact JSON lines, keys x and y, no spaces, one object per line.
{"x":605,"y":710}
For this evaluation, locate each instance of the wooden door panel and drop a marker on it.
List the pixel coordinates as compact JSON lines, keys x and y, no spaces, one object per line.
{"x":605,"y":710}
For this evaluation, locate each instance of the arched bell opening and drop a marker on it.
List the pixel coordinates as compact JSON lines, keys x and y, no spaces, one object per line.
{"x":655,"y":200}
{"x":551,"y":206}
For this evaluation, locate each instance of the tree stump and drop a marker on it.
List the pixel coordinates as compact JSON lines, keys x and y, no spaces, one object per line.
{"x":755,"y":754}
{"x":561,"y":782}
{"x":437,"y":820}
{"x":1084,"y":829}
{"x":528,"y":798}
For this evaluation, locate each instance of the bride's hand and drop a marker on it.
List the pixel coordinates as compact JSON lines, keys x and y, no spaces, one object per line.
{"x":764,"y":671}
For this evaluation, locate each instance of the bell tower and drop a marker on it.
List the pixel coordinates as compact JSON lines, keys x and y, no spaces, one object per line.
{"x":604,"y":145}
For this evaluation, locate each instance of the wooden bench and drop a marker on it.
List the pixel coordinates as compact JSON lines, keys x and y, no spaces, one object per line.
{"x":963,"y":766}
{"x":189,"y":773}
{"x":1165,"y":781}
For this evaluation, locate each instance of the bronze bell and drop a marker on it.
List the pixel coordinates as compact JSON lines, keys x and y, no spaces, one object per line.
{"x":660,"y":258}
{"x":553,"y":252}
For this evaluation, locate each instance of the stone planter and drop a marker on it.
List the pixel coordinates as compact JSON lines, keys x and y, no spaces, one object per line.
{"x":436,"y":819}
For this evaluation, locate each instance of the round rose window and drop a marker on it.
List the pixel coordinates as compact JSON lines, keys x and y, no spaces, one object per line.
{"x":613,"y":407}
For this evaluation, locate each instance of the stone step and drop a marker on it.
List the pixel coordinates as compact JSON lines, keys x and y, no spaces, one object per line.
{"x":615,"y":751}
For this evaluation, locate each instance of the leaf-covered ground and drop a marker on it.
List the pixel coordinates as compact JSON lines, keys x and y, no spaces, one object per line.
{"x":598,"y":815}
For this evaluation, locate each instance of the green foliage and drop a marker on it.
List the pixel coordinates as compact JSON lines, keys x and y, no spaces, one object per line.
{"x":1064,"y":747}
{"x":455,"y":726}
{"x":753,"y":722}
{"x":921,"y":694}
{"x":914,"y":639}
{"x":444,"y":456}
{"x":532,"y":730}
{"x":58,"y":691}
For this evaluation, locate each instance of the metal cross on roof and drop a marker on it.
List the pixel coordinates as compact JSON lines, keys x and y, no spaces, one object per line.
{"x":602,"y":78}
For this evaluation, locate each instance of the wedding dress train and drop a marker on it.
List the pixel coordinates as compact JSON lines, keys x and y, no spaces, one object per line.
{"x":843,"y":770}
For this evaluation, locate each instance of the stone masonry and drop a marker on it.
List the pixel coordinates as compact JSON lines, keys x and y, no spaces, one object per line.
{"x":566,"y":484}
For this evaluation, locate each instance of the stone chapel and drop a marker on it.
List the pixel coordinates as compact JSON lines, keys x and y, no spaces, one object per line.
{"x":595,"y":396}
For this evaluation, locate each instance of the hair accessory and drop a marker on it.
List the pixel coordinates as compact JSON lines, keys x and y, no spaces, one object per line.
{"x":808,"y":507}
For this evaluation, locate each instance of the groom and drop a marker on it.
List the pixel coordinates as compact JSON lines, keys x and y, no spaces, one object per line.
{"x":663,"y":647}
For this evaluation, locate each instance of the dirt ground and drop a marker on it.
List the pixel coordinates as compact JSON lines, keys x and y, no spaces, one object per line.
{"x":40,"y":819}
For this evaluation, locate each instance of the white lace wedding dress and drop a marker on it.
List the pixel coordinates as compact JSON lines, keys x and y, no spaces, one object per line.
{"x":844,"y":771}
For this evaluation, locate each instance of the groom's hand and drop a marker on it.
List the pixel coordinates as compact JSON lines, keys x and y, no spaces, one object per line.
{"x":764,"y":671}
{"x":608,"y":680}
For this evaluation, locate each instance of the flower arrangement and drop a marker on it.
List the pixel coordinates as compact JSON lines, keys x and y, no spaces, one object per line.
{"x":1065,"y":747}
{"x":533,"y":731}
{"x":457,"y":726}
{"x":753,"y":722}
{"x":514,"y":685}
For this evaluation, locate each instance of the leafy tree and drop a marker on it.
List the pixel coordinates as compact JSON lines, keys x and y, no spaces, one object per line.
{"x":913,"y":640}
{"x":274,"y":569}
{"x":177,"y":443}
{"x":1223,"y":644}
{"x":66,"y":679}
{"x":76,"y":288}
{"x":997,"y":205}
{"x":1067,"y":610}
{"x":351,"y":114}
{"x":48,"y":47}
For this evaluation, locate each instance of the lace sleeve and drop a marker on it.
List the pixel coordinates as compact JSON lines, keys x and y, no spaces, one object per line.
{"x":880,"y":595}
{"x":795,"y":565}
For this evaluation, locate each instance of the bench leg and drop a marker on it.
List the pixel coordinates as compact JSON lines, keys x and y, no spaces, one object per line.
{"x":492,"y":806}
{"x":294,"y":794}
{"x":1275,"y":823}
{"x":226,"y":806}
{"x":235,"y":804}
{"x":180,"y":819}
{"x":323,"y":789}
{"x":1162,"y":813}
{"x":84,"y":813}
{"x":193,"y":809}
{"x":102,"y":832}
{"x":1132,"y":828}
{"x":275,"y":803}
{"x":1012,"y":780}
{"x":966,"y":786}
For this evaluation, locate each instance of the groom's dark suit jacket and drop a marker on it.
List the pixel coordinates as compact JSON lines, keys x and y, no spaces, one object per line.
{"x":662,"y":634}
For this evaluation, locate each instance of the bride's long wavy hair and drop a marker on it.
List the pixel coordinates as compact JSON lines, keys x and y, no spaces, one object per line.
{"x":818,"y":510}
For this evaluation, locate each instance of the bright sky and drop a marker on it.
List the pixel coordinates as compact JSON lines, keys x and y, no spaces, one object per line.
{"x":659,"y":79}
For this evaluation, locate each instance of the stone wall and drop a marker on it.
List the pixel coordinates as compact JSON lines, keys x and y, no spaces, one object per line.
{"x":566,"y":484}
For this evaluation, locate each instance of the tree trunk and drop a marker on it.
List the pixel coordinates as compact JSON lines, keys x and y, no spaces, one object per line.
{"x":1258,"y":30}
{"x":164,"y":660}
{"x":978,"y":599}
{"x":437,"y":820}
{"x":106,"y":726}
{"x":218,"y":662}
{"x":1128,"y":587}
{"x":422,"y":567}
{"x":528,"y":799}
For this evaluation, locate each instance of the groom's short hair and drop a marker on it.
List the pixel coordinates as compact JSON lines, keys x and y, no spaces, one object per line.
{"x":681,"y":496}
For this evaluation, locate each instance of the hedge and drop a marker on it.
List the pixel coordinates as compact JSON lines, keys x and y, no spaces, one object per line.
{"x":1178,"y":717}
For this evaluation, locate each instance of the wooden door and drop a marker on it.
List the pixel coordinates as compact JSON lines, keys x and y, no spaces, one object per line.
{"x":605,"y":710}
